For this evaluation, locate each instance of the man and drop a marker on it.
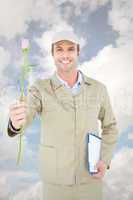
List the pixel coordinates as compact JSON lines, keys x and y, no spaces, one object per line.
{"x":70,"y":105}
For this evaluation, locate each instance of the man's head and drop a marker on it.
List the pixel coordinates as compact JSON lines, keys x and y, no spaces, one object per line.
{"x":65,"y":50}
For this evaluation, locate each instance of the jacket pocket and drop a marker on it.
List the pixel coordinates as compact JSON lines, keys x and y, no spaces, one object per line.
{"x":66,"y":165}
{"x":48,"y":163}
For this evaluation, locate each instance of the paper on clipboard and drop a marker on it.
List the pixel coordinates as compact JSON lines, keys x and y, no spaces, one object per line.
{"x":94,"y":152}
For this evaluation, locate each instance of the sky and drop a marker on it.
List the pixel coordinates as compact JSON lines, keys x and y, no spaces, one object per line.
{"x":105,"y":31}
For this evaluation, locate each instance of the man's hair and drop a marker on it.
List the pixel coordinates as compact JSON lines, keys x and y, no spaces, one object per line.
{"x":52,"y":49}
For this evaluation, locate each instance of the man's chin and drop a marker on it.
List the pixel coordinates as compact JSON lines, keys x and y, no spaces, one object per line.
{"x":65,"y":67}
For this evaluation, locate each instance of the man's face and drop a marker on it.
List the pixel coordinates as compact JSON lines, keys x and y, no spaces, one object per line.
{"x":65,"y":54}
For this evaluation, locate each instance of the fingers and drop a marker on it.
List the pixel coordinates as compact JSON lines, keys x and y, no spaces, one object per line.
{"x":17,"y":114}
{"x":17,"y":106}
{"x":98,"y":175}
{"x":17,"y":117}
{"x":17,"y":110}
{"x":101,"y":167}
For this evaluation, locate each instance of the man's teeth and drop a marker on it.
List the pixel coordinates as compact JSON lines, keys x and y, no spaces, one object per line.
{"x":65,"y":62}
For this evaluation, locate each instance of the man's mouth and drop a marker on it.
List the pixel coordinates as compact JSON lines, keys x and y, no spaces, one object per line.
{"x":65,"y":62}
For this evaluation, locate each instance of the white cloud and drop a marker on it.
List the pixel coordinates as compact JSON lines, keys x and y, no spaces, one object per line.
{"x":33,"y":192}
{"x":16,"y":15}
{"x":4,"y":188}
{"x":9,"y":94}
{"x":110,"y":66}
{"x":14,"y":177}
{"x":13,"y":17}
{"x":121,"y":20}
{"x":118,"y":180}
{"x":8,"y":148}
{"x":46,"y":11}
{"x":4,"y":59}
{"x":11,"y":152}
{"x":18,"y":173}
{"x":90,"y":5}
{"x":13,"y":183}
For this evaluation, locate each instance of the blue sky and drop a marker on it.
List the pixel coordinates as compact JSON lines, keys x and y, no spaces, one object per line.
{"x":104,"y":28}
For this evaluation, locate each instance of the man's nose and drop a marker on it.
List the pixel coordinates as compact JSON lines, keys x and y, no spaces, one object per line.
{"x":65,"y":55}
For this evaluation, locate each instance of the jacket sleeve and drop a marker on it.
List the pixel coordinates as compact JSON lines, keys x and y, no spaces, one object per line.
{"x":11,"y":130}
{"x":34,"y":106}
{"x":109,"y":128}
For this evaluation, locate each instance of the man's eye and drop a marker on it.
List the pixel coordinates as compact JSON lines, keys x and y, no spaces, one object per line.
{"x":71,"y":49}
{"x":58,"y":49}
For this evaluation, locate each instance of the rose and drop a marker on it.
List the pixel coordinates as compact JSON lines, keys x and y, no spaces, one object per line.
{"x":24,"y":44}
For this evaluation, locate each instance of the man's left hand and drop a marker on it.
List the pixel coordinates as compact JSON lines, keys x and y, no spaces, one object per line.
{"x":101,"y":168}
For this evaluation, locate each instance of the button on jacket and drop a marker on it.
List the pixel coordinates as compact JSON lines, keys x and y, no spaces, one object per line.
{"x":65,"y":121}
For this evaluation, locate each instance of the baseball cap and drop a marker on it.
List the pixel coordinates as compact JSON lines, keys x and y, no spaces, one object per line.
{"x":65,"y":35}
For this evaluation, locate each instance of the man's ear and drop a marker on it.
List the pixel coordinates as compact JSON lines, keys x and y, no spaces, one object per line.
{"x":78,"y":49}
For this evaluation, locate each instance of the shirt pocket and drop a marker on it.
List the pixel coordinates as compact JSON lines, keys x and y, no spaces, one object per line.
{"x":50,"y":103}
{"x":48,"y":163}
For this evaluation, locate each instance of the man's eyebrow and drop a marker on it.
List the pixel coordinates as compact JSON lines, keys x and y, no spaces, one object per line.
{"x":58,"y":46}
{"x":71,"y":47}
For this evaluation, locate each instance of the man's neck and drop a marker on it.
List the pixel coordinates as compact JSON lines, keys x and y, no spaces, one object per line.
{"x":69,"y":77}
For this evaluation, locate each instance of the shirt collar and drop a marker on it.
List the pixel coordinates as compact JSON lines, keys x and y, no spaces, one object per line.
{"x":57,"y":83}
{"x":78,"y":82}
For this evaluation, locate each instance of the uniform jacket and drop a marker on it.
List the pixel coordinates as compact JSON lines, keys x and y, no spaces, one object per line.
{"x":65,"y":121}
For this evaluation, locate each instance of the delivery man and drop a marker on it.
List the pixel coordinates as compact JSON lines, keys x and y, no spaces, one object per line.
{"x":70,"y":105}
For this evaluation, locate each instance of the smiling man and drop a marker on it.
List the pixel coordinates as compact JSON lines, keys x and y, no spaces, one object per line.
{"x":71,"y":105}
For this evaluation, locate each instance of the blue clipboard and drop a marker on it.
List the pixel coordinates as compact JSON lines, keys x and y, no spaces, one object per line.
{"x":93,"y":152}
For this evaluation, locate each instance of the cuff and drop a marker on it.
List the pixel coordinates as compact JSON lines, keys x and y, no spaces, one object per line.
{"x":12,"y":127}
{"x":11,"y":130}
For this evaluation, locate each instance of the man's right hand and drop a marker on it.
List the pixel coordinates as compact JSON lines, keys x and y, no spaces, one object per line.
{"x":17,"y":114}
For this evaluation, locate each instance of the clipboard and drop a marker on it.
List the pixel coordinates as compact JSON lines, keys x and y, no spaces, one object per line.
{"x":93,"y":152}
